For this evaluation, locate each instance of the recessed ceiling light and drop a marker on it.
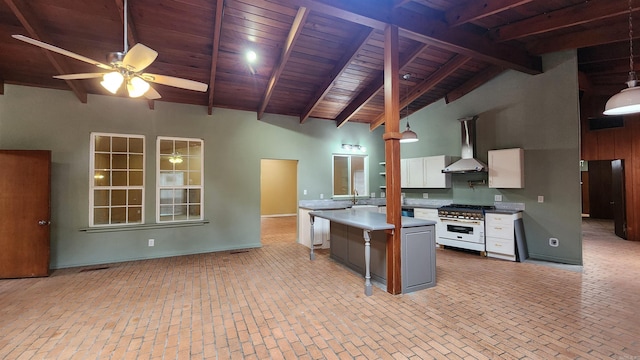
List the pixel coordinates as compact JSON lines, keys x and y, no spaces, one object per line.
{"x":251,"y":56}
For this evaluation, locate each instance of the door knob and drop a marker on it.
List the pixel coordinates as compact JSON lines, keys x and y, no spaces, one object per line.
{"x":44,"y":222}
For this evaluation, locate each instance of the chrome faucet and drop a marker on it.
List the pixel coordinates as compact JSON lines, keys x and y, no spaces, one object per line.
{"x":355,"y":193}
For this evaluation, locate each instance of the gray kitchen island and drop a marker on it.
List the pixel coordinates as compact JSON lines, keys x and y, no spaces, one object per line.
{"x":358,"y":240}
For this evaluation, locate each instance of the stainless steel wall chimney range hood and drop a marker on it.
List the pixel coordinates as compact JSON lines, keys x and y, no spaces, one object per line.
{"x":468,"y":163}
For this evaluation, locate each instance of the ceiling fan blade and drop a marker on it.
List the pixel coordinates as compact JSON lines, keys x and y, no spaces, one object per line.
{"x":61,"y":51}
{"x":175,"y":82}
{"x":152,"y":94}
{"x":79,"y":76}
{"x":139,"y":57}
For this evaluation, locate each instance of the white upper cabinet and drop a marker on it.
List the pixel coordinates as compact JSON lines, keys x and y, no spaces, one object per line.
{"x":415,"y":173}
{"x":425,"y":172}
{"x":506,"y":168}
{"x":434,"y":178}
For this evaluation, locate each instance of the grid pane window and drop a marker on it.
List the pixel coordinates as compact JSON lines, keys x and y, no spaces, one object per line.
{"x":117,"y":179}
{"x":180,"y":191}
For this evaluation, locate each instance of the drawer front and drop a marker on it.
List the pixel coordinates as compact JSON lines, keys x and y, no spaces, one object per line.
{"x":500,"y":231}
{"x":498,"y":219}
{"x":426,"y":214}
{"x":501,"y":246}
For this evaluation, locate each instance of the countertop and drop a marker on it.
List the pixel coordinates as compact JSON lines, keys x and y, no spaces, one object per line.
{"x":503,"y":211}
{"x":367,"y":220}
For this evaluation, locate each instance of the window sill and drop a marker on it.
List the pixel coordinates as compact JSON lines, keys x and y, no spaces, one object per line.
{"x":145,"y":226}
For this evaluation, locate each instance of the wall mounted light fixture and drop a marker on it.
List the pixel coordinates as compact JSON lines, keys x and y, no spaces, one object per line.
{"x":354,"y":148}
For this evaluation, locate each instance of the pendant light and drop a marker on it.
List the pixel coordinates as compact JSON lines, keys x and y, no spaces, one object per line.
{"x":408,"y":135}
{"x":626,"y":101}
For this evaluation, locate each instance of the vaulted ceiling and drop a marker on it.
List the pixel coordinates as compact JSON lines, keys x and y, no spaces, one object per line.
{"x":317,"y":58}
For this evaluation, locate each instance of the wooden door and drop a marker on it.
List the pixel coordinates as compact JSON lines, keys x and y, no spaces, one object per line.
{"x":617,"y":197}
{"x":24,"y":213}
{"x":600,"y":184}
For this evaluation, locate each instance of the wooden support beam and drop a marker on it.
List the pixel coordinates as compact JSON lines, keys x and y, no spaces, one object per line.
{"x":1,"y":87}
{"x":581,"y":39}
{"x":473,"y":83}
{"x":392,"y":157}
{"x":341,"y":67}
{"x":376,"y":85}
{"x":215,"y":46}
{"x":294,"y":33}
{"x":427,"y":84}
{"x":473,"y":10}
{"x":579,"y":14}
{"x":378,"y":14}
{"x":25,"y":16}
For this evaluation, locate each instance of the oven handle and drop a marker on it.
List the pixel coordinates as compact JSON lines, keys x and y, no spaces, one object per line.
{"x":461,"y":221}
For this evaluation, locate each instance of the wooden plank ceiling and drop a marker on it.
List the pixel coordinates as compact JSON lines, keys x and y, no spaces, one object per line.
{"x":317,"y":58}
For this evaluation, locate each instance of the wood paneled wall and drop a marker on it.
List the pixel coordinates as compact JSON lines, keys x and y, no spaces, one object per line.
{"x":615,"y":143}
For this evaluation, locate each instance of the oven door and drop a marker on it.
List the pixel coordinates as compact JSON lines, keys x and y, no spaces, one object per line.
{"x":461,"y":230}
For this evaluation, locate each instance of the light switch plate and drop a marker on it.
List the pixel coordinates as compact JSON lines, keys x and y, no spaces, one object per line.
{"x":540,"y":198}
{"x":497,"y":197}
{"x":373,"y":194}
{"x":425,"y":195}
{"x":321,"y":196}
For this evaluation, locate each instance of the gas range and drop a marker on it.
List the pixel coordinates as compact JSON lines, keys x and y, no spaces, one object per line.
{"x":461,"y":211}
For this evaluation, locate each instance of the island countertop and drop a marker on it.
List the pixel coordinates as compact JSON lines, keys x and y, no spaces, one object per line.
{"x":367,"y":220}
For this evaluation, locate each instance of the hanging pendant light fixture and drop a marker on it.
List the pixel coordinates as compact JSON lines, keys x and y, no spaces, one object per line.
{"x":626,"y":101}
{"x":408,"y":135}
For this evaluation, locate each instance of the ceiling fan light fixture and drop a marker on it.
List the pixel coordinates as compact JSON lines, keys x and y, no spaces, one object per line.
{"x":137,"y":87}
{"x":112,"y":81}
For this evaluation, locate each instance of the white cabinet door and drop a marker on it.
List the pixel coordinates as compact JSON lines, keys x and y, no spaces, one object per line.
{"x":415,"y":169}
{"x":404,"y":174}
{"x":506,"y":168}
{"x":320,"y":230}
{"x":434,"y":178}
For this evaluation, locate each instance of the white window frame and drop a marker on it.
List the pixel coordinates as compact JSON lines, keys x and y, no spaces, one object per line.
{"x":363,"y":181}
{"x":162,"y":177}
{"x":93,"y":172}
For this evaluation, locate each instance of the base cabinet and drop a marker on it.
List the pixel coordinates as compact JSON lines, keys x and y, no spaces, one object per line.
{"x":320,"y":230}
{"x":500,"y":235}
{"x":417,"y":254}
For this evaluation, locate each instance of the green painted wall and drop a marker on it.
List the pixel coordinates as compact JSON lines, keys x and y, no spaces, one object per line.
{"x":537,"y":113}
{"x":32,"y":118}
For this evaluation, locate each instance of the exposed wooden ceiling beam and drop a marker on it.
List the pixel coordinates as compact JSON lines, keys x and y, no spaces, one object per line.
{"x":431,"y":31}
{"x":579,"y":14}
{"x":580,"y":39}
{"x":398,"y":3}
{"x":475,"y":10}
{"x":427,"y":84}
{"x":473,"y":83}
{"x":294,"y":32}
{"x":24,"y":15}
{"x":215,"y":46}
{"x":376,"y":85}
{"x":341,"y":66}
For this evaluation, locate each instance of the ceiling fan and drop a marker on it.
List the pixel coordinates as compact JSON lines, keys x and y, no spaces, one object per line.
{"x":124,"y":67}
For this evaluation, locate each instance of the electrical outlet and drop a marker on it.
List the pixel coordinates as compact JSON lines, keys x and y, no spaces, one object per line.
{"x":382,"y":194}
{"x":540,"y":198}
{"x":321,"y":196}
{"x":554,"y":242}
{"x":373,"y":194}
{"x":152,"y":242}
{"x":497,"y":198}
{"x":304,"y":192}
{"x":425,"y":195}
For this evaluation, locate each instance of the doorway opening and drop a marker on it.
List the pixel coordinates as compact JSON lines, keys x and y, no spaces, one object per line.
{"x":603,"y":193}
{"x":278,"y":200}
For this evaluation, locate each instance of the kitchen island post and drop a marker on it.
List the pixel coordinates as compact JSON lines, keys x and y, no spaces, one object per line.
{"x":418,"y":246}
